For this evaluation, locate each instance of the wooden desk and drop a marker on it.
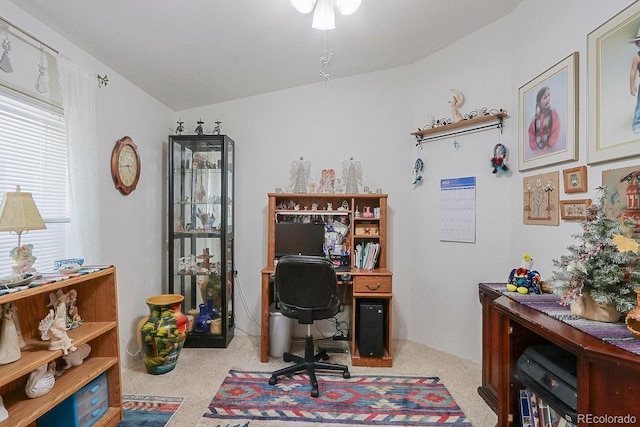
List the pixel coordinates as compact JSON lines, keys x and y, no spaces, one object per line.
{"x":366,"y":284}
{"x":607,"y":376}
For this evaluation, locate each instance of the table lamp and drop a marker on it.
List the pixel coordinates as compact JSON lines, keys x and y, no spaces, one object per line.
{"x":19,"y":213}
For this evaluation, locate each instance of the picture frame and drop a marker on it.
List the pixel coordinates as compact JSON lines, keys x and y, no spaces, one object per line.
{"x":574,"y":210}
{"x":540,"y":197}
{"x":621,"y":201}
{"x":575,"y":179}
{"x":611,"y":50}
{"x":548,"y":116}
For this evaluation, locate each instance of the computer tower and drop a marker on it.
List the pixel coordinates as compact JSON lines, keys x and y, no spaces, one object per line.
{"x":371,"y":329}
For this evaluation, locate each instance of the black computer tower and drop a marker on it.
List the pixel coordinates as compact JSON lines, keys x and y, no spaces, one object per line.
{"x":370,"y":329}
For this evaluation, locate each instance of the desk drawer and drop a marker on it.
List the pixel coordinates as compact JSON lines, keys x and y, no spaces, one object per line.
{"x":372,"y":284}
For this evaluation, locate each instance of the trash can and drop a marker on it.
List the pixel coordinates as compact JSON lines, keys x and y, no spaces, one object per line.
{"x":279,"y":332}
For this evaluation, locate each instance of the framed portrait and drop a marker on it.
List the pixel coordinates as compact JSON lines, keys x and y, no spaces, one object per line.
{"x":540,"y":199}
{"x":575,"y":179}
{"x":622,"y":200}
{"x":613,"y":104}
{"x":548,"y":116}
{"x":574,"y":210}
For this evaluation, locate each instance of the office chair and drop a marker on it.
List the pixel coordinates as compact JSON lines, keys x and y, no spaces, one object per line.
{"x":307,"y":290}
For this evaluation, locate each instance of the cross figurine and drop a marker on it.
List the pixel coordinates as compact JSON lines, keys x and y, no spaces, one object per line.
{"x":205,"y":257}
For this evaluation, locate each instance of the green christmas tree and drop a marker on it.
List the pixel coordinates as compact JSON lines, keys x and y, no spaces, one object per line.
{"x":597,"y":265}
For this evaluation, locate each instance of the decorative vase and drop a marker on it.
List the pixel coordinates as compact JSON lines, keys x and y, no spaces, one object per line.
{"x":587,"y":308}
{"x":633,"y":317}
{"x":163,"y":333}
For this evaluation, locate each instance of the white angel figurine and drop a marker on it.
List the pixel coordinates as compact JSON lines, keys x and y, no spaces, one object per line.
{"x":59,"y":340}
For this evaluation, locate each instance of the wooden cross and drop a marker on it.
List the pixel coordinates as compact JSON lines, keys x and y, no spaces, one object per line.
{"x":205,"y":257}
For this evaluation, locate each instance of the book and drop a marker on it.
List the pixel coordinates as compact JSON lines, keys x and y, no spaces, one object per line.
{"x":534,"y":409}
{"x":525,"y":409}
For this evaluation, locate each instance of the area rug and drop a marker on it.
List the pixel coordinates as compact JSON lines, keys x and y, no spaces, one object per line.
{"x":148,"y":411}
{"x":245,"y":399}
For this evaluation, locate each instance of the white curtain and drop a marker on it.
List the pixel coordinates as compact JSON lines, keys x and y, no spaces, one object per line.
{"x":79,"y":102}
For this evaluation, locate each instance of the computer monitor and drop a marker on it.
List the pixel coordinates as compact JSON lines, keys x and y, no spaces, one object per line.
{"x":295,"y":238}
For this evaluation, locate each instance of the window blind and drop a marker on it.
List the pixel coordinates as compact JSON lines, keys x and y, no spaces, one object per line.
{"x":33,"y":155}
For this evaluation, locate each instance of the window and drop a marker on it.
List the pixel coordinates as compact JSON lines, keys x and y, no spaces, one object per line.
{"x":33,"y":155}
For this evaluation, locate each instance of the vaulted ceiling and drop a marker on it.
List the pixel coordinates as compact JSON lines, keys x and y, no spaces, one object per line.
{"x":191,"y":53}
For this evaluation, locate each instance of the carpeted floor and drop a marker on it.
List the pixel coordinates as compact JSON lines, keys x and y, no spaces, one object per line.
{"x":149,"y":411}
{"x":362,"y":400}
{"x":200,"y":372}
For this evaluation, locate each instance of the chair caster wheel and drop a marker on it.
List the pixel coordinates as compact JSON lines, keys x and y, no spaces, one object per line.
{"x":286,"y":358}
{"x":273,"y":381}
{"x":346,"y":375}
{"x":325,"y":357}
{"x":315,"y":393}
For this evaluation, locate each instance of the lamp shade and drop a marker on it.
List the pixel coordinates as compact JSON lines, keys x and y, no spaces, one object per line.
{"x":19,"y":213}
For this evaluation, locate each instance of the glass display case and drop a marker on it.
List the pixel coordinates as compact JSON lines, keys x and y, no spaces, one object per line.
{"x":200,"y":223}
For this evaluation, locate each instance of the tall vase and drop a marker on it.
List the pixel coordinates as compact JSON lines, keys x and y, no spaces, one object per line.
{"x":633,"y":317}
{"x":163,"y":333}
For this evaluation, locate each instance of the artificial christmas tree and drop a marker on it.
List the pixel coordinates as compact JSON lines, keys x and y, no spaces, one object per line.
{"x":598,"y":267}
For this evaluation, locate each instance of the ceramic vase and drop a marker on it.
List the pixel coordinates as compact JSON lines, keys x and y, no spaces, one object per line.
{"x":163,"y":333}
{"x":587,"y":308}
{"x":633,"y":317}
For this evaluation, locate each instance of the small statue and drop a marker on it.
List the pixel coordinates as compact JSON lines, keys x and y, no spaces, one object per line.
{"x":180,"y":127}
{"x":58,"y":301}
{"x":9,"y":342}
{"x":218,"y":128}
{"x":24,"y":259}
{"x":456,"y":102}
{"x":199,"y":129}
{"x":59,"y":340}
{"x":41,"y":381}
{"x":3,"y":411}
{"x":75,"y":358}
{"x":45,"y":325}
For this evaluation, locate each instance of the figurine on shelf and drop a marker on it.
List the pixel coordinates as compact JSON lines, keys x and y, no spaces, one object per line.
{"x":352,"y":175}
{"x":180,"y":127}
{"x":218,"y":127}
{"x":73,"y":317}
{"x":456,"y":102}
{"x":75,"y":358}
{"x":300,"y":174}
{"x":40,"y":382}
{"x":45,"y":325}
{"x":3,"y":411}
{"x":58,"y":301}
{"x":199,"y":129}
{"x":59,"y":340}
{"x":9,"y":342}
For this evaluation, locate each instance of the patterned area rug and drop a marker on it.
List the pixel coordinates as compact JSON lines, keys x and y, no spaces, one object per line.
{"x":149,"y":411}
{"x":245,"y":399}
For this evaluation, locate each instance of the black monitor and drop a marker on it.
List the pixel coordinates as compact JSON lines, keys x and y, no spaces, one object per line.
{"x":295,"y":238}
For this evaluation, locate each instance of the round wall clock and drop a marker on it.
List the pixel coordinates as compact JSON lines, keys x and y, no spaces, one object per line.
{"x":125,"y":165}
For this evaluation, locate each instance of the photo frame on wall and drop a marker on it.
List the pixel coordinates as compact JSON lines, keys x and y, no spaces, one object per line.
{"x":612,"y":52}
{"x":575,"y":179}
{"x":574,"y":210}
{"x":548,"y":116}
{"x":540,"y":199}
{"x":622,"y":187}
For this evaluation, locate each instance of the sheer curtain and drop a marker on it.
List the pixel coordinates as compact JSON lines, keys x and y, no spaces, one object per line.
{"x":79,"y":102}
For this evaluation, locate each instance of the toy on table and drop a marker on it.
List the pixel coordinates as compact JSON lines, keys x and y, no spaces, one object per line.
{"x":523,"y":279}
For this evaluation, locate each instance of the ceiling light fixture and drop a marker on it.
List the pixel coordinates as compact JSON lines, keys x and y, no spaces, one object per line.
{"x":324,"y":13}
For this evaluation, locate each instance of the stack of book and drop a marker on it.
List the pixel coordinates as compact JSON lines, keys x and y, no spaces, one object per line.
{"x":365,"y":256}
{"x":535,"y":412}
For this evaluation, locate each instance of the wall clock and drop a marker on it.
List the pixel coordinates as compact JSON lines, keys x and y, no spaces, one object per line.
{"x":125,"y":165}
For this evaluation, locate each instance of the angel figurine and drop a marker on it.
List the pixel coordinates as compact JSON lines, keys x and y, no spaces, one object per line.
{"x":300,"y":173}
{"x":351,"y":175}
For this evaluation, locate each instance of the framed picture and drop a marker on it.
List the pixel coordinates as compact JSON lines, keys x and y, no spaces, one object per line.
{"x":622,"y":188}
{"x":573,"y":210}
{"x":613,"y":104}
{"x":548,"y":116}
{"x":575,"y":180}
{"x":540,"y":199}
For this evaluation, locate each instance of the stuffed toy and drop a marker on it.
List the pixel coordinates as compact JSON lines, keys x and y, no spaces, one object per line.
{"x":523,"y":279}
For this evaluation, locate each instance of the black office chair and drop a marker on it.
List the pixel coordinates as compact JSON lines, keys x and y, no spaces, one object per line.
{"x":307,"y":290}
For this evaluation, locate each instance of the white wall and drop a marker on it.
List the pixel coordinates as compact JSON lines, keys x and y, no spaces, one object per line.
{"x":371,"y":116}
{"x":131,"y":229}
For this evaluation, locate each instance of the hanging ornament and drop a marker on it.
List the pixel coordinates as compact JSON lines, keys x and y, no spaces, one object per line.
{"x":41,"y":84}
{"x":418,"y":168}
{"x":5,"y":62}
{"x":499,"y":159}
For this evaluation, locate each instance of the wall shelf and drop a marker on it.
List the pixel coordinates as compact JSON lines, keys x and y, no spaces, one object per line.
{"x":464,"y":126}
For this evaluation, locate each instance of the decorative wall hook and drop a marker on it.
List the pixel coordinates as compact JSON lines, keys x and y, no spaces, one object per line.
{"x":102,"y":81}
